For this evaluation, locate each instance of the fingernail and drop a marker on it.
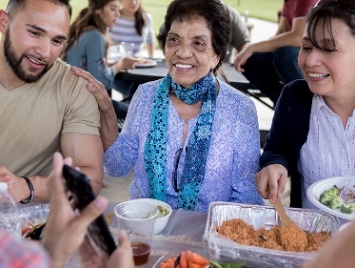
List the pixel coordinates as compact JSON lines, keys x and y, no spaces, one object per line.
{"x":101,"y":203}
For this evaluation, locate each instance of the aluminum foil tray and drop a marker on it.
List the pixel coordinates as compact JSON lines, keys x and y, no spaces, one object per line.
{"x":262,"y":216}
{"x":34,"y":214}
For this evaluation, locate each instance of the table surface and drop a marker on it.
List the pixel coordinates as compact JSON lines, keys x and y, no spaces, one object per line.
{"x":176,"y":237}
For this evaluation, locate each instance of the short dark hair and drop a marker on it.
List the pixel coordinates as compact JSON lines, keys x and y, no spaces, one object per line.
{"x":16,"y":5}
{"x":322,"y":15}
{"x":215,"y":14}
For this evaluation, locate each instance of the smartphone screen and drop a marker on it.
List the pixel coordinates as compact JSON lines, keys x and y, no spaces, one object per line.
{"x":78,"y":184}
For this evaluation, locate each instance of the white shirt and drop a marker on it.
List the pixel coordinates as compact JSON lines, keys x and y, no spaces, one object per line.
{"x":329,"y":150}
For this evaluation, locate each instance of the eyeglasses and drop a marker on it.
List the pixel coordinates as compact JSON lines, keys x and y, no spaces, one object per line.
{"x":345,"y":5}
{"x":176,"y":165}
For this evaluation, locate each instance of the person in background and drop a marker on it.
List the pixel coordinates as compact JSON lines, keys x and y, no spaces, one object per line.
{"x":87,"y":45}
{"x":134,"y":26}
{"x":64,"y":234}
{"x":43,"y":106}
{"x":313,"y":129}
{"x":239,"y":33}
{"x":272,"y":63}
{"x":175,"y":135}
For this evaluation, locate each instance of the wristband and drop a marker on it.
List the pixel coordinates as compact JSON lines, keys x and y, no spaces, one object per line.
{"x":32,"y":191}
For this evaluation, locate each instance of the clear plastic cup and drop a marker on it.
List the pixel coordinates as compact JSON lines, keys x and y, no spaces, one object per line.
{"x":115,"y":54}
{"x":128,"y":48}
{"x":137,"y":218}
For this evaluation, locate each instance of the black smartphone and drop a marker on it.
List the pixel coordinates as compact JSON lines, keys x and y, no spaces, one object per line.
{"x":82,"y":194}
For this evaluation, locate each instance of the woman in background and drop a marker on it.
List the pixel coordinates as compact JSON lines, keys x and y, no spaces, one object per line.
{"x":134,"y":26}
{"x":88,"y":43}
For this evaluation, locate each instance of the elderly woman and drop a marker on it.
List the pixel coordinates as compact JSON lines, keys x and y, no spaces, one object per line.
{"x":190,"y":138}
{"x":313,"y":131}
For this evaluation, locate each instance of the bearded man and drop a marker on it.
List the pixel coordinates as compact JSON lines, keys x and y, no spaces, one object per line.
{"x":44,"y":107}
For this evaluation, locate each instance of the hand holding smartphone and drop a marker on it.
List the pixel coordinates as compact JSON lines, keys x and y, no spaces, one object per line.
{"x":78,"y":184}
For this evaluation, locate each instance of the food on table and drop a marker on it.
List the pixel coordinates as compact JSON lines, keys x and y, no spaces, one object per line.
{"x":163,"y":211}
{"x":29,"y":228}
{"x":342,"y":199}
{"x":348,"y":209}
{"x":108,"y":218}
{"x":331,"y":197}
{"x":143,"y":61}
{"x":141,"y":252}
{"x":189,"y":259}
{"x":293,"y":238}
{"x":348,"y":195}
{"x":245,"y":234}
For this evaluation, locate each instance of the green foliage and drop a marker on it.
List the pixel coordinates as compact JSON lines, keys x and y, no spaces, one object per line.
{"x":262,"y":9}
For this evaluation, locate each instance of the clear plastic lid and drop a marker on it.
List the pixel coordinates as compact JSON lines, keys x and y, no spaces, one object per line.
{"x":3,"y":187}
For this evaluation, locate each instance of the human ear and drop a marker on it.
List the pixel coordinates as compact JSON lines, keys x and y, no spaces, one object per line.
{"x":4,"y":21}
{"x":215,"y":61}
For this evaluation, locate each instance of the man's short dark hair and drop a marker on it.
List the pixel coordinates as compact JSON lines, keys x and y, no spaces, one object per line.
{"x":16,"y":5}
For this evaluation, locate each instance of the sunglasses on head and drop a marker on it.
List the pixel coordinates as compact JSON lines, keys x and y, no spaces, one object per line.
{"x":175,"y":172}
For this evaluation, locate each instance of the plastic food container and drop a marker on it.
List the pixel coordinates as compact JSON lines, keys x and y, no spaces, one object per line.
{"x":226,"y":250}
{"x":34,"y":215}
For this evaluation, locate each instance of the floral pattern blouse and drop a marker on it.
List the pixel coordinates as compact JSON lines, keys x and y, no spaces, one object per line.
{"x":233,"y":157}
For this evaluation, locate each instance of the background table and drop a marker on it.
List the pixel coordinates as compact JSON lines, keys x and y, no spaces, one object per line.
{"x":227,"y":72}
{"x":144,"y":75}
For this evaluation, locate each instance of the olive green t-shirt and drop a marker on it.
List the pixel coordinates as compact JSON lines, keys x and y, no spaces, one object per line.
{"x":34,"y":116}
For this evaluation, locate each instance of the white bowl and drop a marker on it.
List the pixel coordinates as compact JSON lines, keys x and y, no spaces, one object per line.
{"x":316,"y":189}
{"x":135,"y":215}
{"x":160,"y":221}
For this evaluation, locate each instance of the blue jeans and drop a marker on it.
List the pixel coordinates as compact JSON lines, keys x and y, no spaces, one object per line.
{"x":270,"y":71}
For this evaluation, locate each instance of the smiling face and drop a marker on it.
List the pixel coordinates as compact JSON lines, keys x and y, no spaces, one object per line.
{"x":109,"y":13}
{"x":189,"y":52}
{"x":329,"y":70}
{"x":34,"y":38}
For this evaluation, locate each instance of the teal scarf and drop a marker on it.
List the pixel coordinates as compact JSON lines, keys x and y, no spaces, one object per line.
{"x":155,"y":147}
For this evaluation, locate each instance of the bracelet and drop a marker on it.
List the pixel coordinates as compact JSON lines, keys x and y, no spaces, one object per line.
{"x":32,"y":191}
